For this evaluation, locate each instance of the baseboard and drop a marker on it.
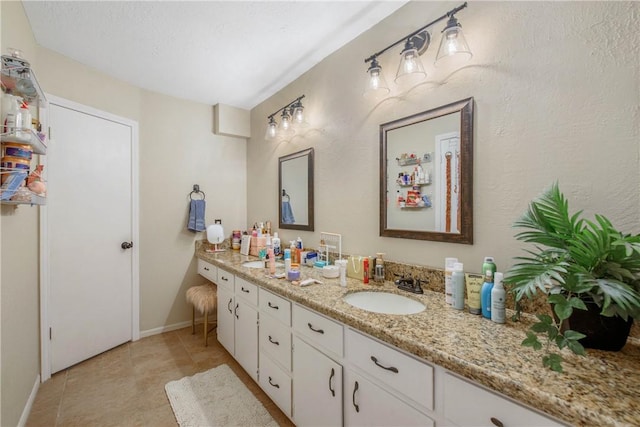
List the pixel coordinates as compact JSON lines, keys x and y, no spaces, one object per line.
{"x":27,"y":408}
{"x":166,"y":328}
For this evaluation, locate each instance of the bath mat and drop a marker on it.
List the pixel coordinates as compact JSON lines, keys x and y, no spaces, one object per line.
{"x":215,"y":397}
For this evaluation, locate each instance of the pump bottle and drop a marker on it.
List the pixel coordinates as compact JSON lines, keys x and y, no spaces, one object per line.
{"x":378,"y":275}
{"x":457,"y":279}
{"x":485,"y":294}
{"x":498,"y":295}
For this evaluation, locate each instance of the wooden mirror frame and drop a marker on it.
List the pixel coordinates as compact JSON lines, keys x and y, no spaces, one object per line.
{"x":310,"y":226}
{"x":465,"y":107}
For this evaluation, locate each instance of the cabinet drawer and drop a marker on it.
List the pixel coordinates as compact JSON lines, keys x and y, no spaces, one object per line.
{"x":467,"y":404}
{"x":246,"y":291}
{"x":207,"y":270}
{"x":225,"y":279}
{"x":276,"y":383}
{"x":403,"y":373}
{"x":319,"y":329}
{"x":275,"y":306}
{"x":275,"y":340}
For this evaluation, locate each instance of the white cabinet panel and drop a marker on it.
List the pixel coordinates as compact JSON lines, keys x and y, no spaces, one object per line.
{"x":246,"y":337}
{"x":226,"y":319}
{"x":246,"y":291}
{"x":275,"y":340}
{"x":225,"y":279}
{"x":405,"y":374}
{"x":277,"y":384}
{"x":275,"y":306}
{"x":468,"y":405}
{"x":317,"y":384}
{"x":208,"y":270}
{"x":366,"y":404}
{"x":319,"y":329}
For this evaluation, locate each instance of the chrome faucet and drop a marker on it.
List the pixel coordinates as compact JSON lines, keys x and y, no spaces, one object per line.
{"x":409,"y":284}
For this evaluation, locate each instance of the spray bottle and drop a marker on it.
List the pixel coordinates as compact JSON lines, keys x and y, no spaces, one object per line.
{"x":378,"y":275}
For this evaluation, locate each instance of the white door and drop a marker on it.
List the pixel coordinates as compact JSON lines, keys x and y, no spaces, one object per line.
{"x":246,"y":337}
{"x":89,"y":214}
{"x":317,"y":387}
{"x":226,"y":319}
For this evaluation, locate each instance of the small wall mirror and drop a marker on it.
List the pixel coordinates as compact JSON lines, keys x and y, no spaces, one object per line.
{"x":426,"y":175}
{"x":295,"y":191}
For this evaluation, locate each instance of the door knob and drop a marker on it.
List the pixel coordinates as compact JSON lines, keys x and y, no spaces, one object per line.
{"x":126,"y":245}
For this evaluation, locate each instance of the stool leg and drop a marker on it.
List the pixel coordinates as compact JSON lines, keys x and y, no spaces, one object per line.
{"x":193,"y":320}
{"x":206,"y":327}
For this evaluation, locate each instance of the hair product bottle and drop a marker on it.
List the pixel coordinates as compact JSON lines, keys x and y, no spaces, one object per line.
{"x":457,"y":279}
{"x":448,"y":271}
{"x":485,"y":294}
{"x":498,"y":295}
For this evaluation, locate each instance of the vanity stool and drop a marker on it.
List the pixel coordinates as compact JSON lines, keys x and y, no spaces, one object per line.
{"x":204,"y":299}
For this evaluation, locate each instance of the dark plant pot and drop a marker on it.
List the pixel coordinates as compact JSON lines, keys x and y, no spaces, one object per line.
{"x":602,"y":333}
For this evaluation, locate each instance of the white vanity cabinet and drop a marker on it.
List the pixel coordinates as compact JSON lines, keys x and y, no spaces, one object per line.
{"x":208,"y":270}
{"x":385,"y":386}
{"x":317,"y":376}
{"x":466,"y":404}
{"x":238,"y":320}
{"x":367,"y":404}
{"x":275,"y":348}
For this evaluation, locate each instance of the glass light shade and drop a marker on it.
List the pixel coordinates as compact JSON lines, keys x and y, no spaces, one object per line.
{"x":454,"y":49}
{"x":376,"y":83}
{"x":410,"y":70}
{"x":285,"y":120}
{"x":298,"y":115}
{"x":272,"y":129}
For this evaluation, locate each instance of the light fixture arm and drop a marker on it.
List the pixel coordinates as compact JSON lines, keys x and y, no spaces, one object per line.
{"x":270,"y":116}
{"x":419,"y":30}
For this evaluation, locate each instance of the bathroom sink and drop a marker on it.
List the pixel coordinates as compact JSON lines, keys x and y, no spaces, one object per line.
{"x":384,"y":302}
{"x":259,"y":264}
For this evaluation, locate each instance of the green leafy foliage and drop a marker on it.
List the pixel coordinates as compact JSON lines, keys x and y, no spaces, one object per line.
{"x":573,"y":260}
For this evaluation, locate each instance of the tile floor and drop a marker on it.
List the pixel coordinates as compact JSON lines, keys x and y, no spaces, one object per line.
{"x":125,"y":386}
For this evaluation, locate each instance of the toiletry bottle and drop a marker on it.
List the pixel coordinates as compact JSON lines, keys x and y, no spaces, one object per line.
{"x":378,"y":275}
{"x":485,"y":294}
{"x":498,"y":296}
{"x":365,"y":273}
{"x":489,"y":264}
{"x":272,"y":256}
{"x":299,"y":243}
{"x":448,"y":270}
{"x":342,"y":265}
{"x":473,"y":283}
{"x":276,"y":244}
{"x":287,"y":260}
{"x":457,"y":286}
{"x":292,"y":248}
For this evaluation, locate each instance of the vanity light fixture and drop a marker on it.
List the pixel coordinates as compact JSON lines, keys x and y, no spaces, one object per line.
{"x":410,"y":69}
{"x":292,"y":117}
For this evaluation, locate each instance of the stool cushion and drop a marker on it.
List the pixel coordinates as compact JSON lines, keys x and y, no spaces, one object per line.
{"x":202,"y":297}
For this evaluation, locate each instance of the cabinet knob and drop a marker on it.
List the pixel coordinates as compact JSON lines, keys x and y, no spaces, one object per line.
{"x":126,"y":245}
{"x":496,"y":422}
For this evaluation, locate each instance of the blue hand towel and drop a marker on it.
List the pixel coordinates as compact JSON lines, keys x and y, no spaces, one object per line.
{"x":196,"y":215}
{"x":287,"y":213}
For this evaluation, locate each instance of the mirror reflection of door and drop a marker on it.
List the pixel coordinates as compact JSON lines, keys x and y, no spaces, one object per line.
{"x":295,"y":191}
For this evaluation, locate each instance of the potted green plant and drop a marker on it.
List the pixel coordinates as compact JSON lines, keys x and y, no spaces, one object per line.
{"x":586,"y":269}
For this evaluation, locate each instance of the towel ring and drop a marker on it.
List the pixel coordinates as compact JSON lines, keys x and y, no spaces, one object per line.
{"x":196,"y":190}
{"x":285,"y":196}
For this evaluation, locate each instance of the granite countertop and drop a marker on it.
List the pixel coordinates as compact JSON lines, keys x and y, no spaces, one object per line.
{"x":601,"y":389}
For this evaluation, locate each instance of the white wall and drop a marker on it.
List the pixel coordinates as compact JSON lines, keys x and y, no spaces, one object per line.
{"x":556,"y":88}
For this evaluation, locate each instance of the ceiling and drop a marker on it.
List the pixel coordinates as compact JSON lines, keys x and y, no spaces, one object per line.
{"x":231,"y":52}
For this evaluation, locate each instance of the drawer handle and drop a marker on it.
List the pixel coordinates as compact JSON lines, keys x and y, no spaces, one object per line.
{"x":272,"y":306}
{"x":206,"y":268}
{"x":243,"y":289}
{"x":388,"y":368}
{"x":225,"y":279}
{"x":353,"y":397}
{"x":320,"y":331}
{"x":229,"y":305}
{"x":272,"y":341}
{"x":272,"y":384}
{"x":235,"y":311}
{"x":496,"y":422}
{"x":333,"y":374}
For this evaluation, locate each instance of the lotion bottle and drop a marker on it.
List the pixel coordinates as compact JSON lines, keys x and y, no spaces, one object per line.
{"x":276,"y":244}
{"x":448,"y":271}
{"x":287,"y":260}
{"x":272,"y":257}
{"x":485,"y":294}
{"x":457,"y":279}
{"x":498,"y":296}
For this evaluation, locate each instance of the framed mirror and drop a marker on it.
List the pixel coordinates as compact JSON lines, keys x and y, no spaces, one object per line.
{"x":426,"y":175}
{"x":295,"y":191}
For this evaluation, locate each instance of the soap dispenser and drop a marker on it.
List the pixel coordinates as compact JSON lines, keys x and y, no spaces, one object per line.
{"x":378,"y":275}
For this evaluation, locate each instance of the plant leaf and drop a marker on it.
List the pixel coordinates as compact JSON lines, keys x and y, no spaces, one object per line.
{"x":553,"y":361}
{"x":532,"y":341}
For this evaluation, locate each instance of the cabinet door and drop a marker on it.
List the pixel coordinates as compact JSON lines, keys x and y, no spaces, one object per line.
{"x":226,"y":319}
{"x":317,"y":387}
{"x":366,"y":404}
{"x":246,"y":334}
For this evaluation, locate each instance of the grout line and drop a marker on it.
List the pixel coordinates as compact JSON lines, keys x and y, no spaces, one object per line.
{"x":64,"y":387}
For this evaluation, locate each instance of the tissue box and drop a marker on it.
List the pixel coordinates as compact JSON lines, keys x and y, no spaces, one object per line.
{"x":257,"y":243}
